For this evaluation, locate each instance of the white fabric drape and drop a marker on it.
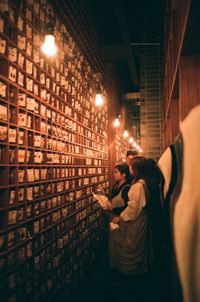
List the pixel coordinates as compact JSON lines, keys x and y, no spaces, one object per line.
{"x":187,"y":210}
{"x":165,"y":165}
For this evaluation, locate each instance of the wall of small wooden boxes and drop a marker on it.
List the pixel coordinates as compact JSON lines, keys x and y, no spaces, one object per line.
{"x":53,"y":152}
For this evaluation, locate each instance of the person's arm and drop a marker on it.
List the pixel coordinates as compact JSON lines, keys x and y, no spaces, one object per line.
{"x":137,"y":200}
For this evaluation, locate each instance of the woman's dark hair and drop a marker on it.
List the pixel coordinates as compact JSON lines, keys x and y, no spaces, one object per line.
{"x":140,"y":168}
{"x":124,"y":169}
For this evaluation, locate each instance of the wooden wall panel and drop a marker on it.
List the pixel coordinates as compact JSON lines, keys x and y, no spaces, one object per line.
{"x":189,"y":81}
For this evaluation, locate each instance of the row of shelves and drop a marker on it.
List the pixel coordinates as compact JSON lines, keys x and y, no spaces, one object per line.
{"x":61,"y":254}
{"x":53,"y":154}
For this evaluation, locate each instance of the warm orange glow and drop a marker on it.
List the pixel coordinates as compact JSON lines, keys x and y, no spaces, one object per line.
{"x":98,"y":100}
{"x":131,"y":140}
{"x":116,"y":123}
{"x":49,"y":47}
{"x":125,"y":134}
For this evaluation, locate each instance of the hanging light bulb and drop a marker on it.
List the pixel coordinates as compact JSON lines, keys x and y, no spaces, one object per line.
{"x":49,"y":47}
{"x":125,"y":134}
{"x":131,"y":140}
{"x":134,"y":144}
{"x":140,"y":150}
{"x":116,"y":123}
{"x":99,"y":100}
{"x":138,"y":147}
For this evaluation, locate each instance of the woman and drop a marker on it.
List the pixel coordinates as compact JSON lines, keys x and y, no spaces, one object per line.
{"x":130,"y":243}
{"x":119,"y":194}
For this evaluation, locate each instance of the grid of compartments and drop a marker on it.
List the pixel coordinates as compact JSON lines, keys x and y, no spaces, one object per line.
{"x":53,"y":152}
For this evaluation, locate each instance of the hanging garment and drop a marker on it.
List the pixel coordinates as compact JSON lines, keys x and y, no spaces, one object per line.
{"x":186,"y":213}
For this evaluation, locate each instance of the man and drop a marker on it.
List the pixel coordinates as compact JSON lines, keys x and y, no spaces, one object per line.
{"x":131,"y":155}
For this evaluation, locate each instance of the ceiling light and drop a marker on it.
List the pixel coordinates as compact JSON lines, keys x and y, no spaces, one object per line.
{"x":125,"y":134}
{"x":116,"y":123}
{"x":131,"y":140}
{"x":99,"y":100}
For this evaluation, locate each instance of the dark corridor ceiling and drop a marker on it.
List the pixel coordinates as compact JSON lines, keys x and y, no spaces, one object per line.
{"x":120,"y":23}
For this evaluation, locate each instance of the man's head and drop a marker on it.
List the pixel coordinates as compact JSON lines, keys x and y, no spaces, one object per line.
{"x":130,"y":154}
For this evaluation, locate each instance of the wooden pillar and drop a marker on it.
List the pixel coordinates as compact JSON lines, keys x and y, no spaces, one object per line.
{"x":189,"y":83}
{"x":113,"y":92}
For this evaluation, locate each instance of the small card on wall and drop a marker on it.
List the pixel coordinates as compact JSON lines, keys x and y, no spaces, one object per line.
{"x":22,"y":99}
{"x":37,"y":141}
{"x":12,"y":217}
{"x":36,"y":56}
{"x":36,"y":109}
{"x":3,"y":113}
{"x":21,"y":60}
{"x":21,"y":79}
{"x":43,"y":94}
{"x":29,"y":84}
{"x":31,"y":104}
{"x":12,"y":135}
{"x":22,"y":119}
{"x":29,"y":31}
{"x":43,"y":110}
{"x":35,"y":72}
{"x":2,"y":46}
{"x":21,"y":156}
{"x":29,"y":67}
{"x":12,"y":74}
{"x":21,"y":174}
{"x":38,"y":157}
{"x":30,"y":193}
{"x":21,"y":137}
{"x":21,"y":194}
{"x":29,"y":49}
{"x":12,"y":54}
{"x":30,"y":175}
{"x":36,"y":174}
{"x":2,"y":90}
{"x":20,"y":23}
{"x":42,"y":78}
{"x":12,"y":197}
{"x":36,"y":89}
{"x":3,"y":133}
{"x":36,"y":39}
{"x":21,"y":42}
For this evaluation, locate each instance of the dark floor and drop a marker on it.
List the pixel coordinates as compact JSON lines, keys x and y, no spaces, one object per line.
{"x":104,"y":286}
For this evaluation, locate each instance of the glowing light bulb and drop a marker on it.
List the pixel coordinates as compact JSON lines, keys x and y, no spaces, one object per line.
{"x":116,"y":123}
{"x":140,"y":150}
{"x":131,"y":140}
{"x":125,"y":134}
{"x":49,"y":47}
{"x":98,"y":100}
{"x":134,"y":145}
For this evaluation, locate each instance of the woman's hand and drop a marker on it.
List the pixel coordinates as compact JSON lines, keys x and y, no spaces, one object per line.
{"x":116,"y":219}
